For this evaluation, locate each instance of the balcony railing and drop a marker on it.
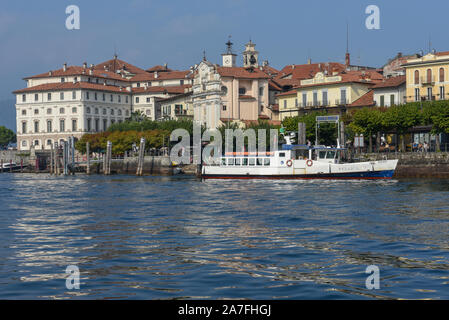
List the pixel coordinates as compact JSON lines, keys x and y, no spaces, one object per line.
{"x":428,"y":80}
{"x":341,"y":102}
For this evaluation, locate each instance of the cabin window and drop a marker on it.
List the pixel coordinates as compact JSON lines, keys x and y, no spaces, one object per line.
{"x":230,"y":161}
{"x":322,"y":154}
{"x":259,"y":161}
{"x":266,"y":161}
{"x":245,"y":161}
{"x":282,"y":155}
{"x":252,"y":161}
{"x":223,"y":161}
{"x":330,"y":154}
{"x":237,"y":161}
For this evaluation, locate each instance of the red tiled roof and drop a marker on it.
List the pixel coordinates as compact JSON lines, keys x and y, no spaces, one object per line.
{"x":58,"y":86}
{"x":115,"y":65}
{"x":242,"y":73}
{"x":273,"y":85}
{"x":292,"y":74}
{"x":167,"y":89}
{"x":391,"y":82}
{"x":169,"y":75}
{"x":288,"y":93}
{"x":264,"y":117}
{"x":269,"y":70}
{"x":443,"y":53}
{"x":78,"y":71}
{"x":159,"y":69}
{"x":366,"y":100}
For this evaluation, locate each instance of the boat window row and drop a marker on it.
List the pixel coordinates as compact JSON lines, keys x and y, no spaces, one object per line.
{"x":245,"y":161}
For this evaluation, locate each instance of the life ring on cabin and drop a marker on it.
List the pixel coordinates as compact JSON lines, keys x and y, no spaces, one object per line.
{"x":289,"y":163}
{"x":309,"y":163}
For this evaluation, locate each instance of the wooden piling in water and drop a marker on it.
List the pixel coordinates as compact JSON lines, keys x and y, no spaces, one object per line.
{"x":56,"y":157}
{"x":10,"y":165}
{"x":141,"y":158}
{"x":51,"y":159}
{"x":88,"y":157}
{"x":1,"y":165}
{"x":108,"y":160}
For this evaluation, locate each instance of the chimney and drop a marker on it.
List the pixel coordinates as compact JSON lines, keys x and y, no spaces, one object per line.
{"x":64,"y":67}
{"x":348,"y":59}
{"x":85,"y":65}
{"x":50,"y":73}
{"x":91,"y":72}
{"x":400,"y":55}
{"x":309,"y":61}
{"x":165,"y":66}
{"x":155,"y":74}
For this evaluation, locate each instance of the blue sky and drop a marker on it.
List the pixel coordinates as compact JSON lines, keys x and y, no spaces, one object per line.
{"x":34,"y":39}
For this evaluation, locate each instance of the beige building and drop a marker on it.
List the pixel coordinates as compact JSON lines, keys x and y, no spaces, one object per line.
{"x":427,"y":77}
{"x":231,"y":93}
{"x":332,"y":92}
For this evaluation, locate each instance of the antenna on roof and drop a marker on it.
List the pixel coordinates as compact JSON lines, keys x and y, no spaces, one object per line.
{"x":347,"y":56}
{"x":430,"y":43}
{"x":204,"y":55}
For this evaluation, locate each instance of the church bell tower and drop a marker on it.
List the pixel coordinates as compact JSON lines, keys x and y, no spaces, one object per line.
{"x":250,"y":56}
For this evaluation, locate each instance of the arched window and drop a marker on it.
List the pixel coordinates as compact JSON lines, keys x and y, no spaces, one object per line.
{"x":429,"y":75}
{"x":416,"y":77}
{"x":441,"y":75}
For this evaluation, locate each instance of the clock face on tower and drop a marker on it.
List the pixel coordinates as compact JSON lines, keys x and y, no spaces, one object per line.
{"x":227,"y":60}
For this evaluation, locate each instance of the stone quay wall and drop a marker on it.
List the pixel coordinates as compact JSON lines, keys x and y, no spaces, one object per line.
{"x":415,"y":164}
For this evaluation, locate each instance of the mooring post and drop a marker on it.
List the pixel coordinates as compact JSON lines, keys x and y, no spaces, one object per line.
{"x":21,"y":165}
{"x":51,"y":159}
{"x":36,"y":165}
{"x":1,"y":165}
{"x":342,"y":135}
{"x":10,"y":165}
{"x":64,"y":158}
{"x":107,"y":169}
{"x":141,"y":157}
{"x":55,"y":157}
{"x":104,"y":161}
{"x":88,"y":158}
{"x":301,"y":133}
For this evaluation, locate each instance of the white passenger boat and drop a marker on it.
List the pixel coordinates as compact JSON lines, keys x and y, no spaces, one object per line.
{"x":297,"y":162}
{"x":7,"y":167}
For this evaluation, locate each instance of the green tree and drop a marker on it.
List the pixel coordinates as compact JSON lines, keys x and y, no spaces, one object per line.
{"x":367,"y":121}
{"x":402,"y":118}
{"x":7,"y":136}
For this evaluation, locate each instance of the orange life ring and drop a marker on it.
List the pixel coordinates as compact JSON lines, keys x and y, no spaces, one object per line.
{"x":289,"y":163}
{"x":309,"y":163}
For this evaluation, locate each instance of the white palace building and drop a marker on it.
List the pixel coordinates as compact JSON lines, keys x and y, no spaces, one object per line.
{"x":75,"y":100}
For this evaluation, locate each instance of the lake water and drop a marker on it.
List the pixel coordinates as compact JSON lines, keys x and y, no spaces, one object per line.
{"x":178,"y":237}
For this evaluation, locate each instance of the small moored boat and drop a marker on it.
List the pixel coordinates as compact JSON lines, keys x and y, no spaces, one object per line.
{"x":10,"y":166}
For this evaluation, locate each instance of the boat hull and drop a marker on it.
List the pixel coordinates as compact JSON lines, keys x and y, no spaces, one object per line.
{"x":380,"y":175}
{"x":298,"y":170}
